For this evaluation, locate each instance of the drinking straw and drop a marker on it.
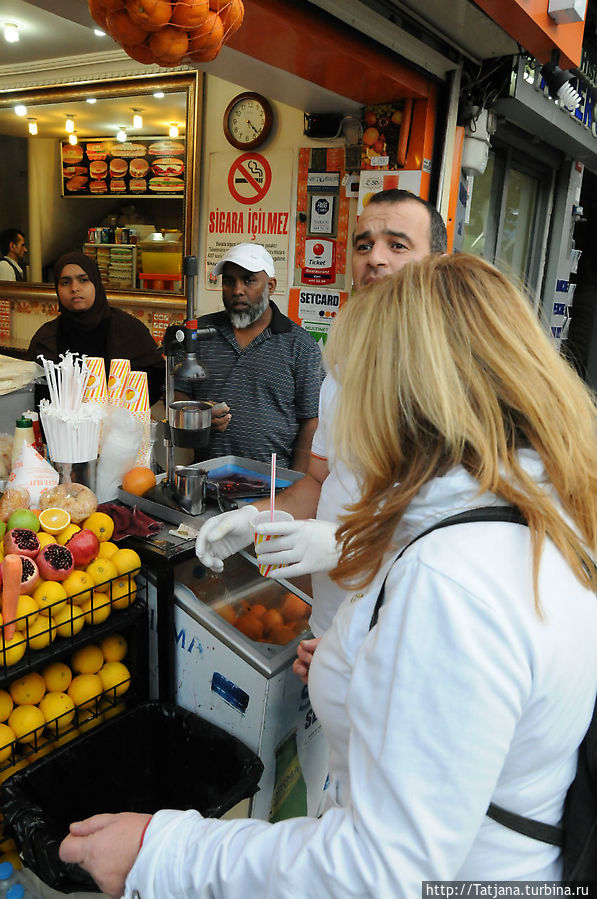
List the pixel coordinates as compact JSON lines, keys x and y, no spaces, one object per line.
{"x":272,"y":488}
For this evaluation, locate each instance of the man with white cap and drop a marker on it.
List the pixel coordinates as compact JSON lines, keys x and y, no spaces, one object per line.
{"x":264,"y":369}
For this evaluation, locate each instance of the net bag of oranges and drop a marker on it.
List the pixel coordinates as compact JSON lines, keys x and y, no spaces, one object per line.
{"x":169,"y":32}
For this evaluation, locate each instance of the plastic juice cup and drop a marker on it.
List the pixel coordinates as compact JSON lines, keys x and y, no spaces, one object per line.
{"x":264,"y":518}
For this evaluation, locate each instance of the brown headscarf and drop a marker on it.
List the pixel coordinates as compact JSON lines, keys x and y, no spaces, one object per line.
{"x":84,"y":331}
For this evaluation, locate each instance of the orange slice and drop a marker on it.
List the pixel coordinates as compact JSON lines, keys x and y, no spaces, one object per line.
{"x":53,"y":521}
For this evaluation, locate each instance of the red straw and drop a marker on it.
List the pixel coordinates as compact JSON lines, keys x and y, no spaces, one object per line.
{"x":272,"y":488}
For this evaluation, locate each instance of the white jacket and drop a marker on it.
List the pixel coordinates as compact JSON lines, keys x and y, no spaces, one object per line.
{"x":461,"y":694}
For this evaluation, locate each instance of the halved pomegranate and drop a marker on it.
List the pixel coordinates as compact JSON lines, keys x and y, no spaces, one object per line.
{"x":21,"y":541}
{"x":55,"y":562}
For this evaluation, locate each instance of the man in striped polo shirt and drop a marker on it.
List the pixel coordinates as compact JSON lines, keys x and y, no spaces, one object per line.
{"x":264,"y":370}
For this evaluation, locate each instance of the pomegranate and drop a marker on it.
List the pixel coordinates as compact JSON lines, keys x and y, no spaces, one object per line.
{"x":30,"y":575}
{"x":84,"y":546}
{"x":21,"y":541}
{"x":55,"y":562}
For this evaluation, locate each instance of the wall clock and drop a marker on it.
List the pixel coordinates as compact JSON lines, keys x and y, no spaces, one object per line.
{"x":248,"y":120}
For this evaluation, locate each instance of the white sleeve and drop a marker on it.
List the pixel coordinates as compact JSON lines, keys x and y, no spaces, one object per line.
{"x":435,"y":693}
{"x":320,"y":442}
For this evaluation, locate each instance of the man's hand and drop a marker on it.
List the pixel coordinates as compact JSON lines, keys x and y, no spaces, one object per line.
{"x":304,"y":652}
{"x":304,"y":547}
{"x":106,"y":846}
{"x":224,"y":535}
{"x":220,"y":416}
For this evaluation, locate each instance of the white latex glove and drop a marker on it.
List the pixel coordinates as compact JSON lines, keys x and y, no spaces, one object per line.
{"x":223,"y":535}
{"x":304,"y":547}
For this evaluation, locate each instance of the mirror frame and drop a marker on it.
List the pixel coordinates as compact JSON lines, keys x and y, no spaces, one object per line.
{"x":188,"y":81}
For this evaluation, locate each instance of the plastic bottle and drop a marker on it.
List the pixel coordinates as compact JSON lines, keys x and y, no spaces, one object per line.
{"x":7,"y":877}
{"x":23,"y":434}
{"x":16,"y":891}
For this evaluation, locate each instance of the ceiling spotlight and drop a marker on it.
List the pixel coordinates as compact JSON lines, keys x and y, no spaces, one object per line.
{"x":32,"y":126}
{"x":72,"y":138}
{"x":558,"y":83}
{"x":121,"y":135}
{"x":20,"y":109}
{"x":137,"y":118}
{"x":69,"y":125}
{"x":91,"y":100}
{"x":159,"y":95}
{"x":11,"y":33}
{"x":173,"y":130}
{"x":98,"y":32}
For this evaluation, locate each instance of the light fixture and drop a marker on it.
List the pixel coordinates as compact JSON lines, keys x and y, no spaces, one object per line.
{"x":91,"y":100}
{"x":98,"y":32}
{"x":137,"y":118}
{"x":564,"y":12}
{"x":159,"y":95}
{"x":72,"y":138}
{"x":69,"y":125}
{"x":173,"y":130}
{"x":558,"y":83}
{"x":20,"y":110}
{"x":11,"y":32}
{"x":121,"y":135}
{"x":32,"y":126}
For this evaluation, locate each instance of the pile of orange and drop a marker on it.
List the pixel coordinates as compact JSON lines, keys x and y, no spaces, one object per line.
{"x":168,"y":32}
{"x":276,"y":624}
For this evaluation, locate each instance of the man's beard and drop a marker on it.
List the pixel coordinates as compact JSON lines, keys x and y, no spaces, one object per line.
{"x":243,"y":320}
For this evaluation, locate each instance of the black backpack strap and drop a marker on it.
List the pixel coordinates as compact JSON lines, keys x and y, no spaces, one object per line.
{"x":529,"y":827}
{"x":484,"y":513}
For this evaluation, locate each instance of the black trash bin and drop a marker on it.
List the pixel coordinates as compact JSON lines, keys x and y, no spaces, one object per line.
{"x":150,"y":757}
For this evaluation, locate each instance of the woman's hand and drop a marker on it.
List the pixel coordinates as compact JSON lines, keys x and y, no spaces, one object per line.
{"x":304,"y":652}
{"x":106,"y":846}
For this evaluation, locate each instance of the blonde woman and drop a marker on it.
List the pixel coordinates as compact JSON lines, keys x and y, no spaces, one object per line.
{"x":478,"y":681}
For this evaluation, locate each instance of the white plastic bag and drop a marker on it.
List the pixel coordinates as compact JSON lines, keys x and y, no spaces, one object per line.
{"x":121,"y":439}
{"x":33,"y":473}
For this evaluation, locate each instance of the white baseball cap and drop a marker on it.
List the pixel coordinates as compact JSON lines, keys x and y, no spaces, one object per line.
{"x":251,"y":256}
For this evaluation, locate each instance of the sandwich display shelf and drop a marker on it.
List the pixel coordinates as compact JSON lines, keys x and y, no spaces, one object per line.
{"x":117,"y":263}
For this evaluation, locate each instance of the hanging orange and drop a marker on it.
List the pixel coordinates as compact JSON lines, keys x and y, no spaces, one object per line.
{"x":208,"y":35}
{"x":169,"y":44}
{"x":98,"y":12}
{"x":140,"y":53}
{"x":138,"y":480}
{"x":205,"y":55}
{"x":123,"y":29}
{"x":190,"y":13}
{"x":232,"y":16}
{"x":151,"y":14}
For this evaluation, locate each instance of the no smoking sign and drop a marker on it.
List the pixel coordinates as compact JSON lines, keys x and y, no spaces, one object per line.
{"x":249,"y":178}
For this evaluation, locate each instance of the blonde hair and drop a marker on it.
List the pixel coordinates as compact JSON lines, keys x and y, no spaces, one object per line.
{"x":445,"y":364}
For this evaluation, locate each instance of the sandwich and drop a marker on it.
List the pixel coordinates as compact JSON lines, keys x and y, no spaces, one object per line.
{"x":99,"y":149}
{"x":71,"y":154}
{"x":138,"y":168}
{"x":138,"y":185}
{"x":98,"y":168}
{"x":98,"y":187}
{"x":117,"y":186}
{"x":168,"y":165}
{"x":77,"y":182}
{"x":167,"y":184}
{"x":166,"y":147}
{"x":118,"y":168}
{"x":128,"y":149}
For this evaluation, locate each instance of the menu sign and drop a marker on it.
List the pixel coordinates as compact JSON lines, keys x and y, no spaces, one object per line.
{"x":148,"y":166}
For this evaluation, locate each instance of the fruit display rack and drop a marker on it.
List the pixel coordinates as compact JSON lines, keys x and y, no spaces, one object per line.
{"x":125,"y":615}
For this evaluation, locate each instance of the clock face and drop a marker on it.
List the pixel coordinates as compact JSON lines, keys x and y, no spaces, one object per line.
{"x":247,"y":121}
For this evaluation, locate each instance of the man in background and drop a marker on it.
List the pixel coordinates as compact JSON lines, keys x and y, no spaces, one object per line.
{"x":264,"y":371}
{"x":13,"y":250}
{"x":395,"y":228}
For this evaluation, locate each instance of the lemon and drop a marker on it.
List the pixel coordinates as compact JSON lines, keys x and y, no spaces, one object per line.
{"x":88,"y":719}
{"x":114,"y":648}
{"x":59,"y":710}
{"x":42,"y":632}
{"x":27,"y":723}
{"x":4,"y":775}
{"x":57,"y":676}
{"x":69,"y":621}
{"x":98,"y":609}
{"x":65,"y":738}
{"x":84,"y":690}
{"x":7,"y":741}
{"x":52,"y":521}
{"x":12,"y":651}
{"x":50,"y":596}
{"x":123,"y":592}
{"x":109,"y":710}
{"x":87,"y":660}
{"x":106,"y":550}
{"x":66,"y":533}
{"x":78,"y":586}
{"x":115,"y":678}
{"x":126,"y":560}
{"x":6,"y":705}
{"x":45,"y":538}
{"x":101,"y":525}
{"x":27,"y":612}
{"x":102,"y":571}
{"x":28,"y":690}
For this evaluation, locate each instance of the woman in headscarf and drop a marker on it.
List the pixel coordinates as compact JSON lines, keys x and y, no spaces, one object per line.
{"x":88,"y":324}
